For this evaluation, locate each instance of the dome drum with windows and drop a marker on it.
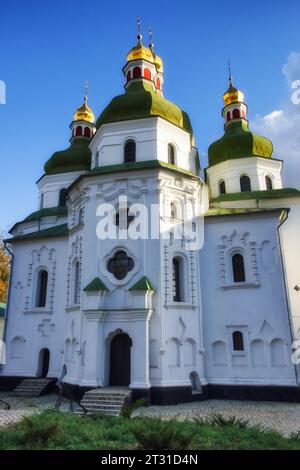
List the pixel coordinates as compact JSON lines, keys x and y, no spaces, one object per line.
{"x":143,"y":63}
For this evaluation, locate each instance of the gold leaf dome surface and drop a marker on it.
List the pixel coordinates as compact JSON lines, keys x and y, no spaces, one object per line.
{"x":84,"y":113}
{"x":233,"y":95}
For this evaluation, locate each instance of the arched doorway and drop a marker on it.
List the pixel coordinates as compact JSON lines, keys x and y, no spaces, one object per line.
{"x":44,"y":359}
{"x":120,"y":348}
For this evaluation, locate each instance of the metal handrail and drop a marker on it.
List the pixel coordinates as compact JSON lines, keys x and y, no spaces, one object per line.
{"x":71,"y":399}
{"x":6,"y":405}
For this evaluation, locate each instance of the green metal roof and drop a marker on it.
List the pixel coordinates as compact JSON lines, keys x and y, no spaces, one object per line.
{"x":57,"y":231}
{"x":214,"y":212}
{"x":239,"y":142}
{"x":140,"y":101}
{"x":75,"y":158}
{"x":95,"y":285}
{"x":47,"y":212}
{"x":143,"y":284}
{"x":139,"y":166}
{"x":258,"y":195}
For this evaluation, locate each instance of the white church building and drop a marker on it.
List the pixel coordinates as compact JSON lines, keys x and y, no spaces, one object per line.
{"x":154,"y":312}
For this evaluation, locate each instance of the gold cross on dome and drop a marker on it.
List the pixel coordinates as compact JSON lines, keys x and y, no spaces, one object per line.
{"x":139,"y":35}
{"x":86,"y":89}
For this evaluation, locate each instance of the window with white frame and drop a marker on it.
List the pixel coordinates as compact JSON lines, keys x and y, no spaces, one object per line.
{"x":42,"y":287}
{"x":178,"y":279}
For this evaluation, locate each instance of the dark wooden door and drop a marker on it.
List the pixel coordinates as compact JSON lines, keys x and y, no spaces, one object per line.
{"x":45,"y":362}
{"x":120,"y":360}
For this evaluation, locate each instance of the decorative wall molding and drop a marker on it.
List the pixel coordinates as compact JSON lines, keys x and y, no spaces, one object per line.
{"x":42,"y":258}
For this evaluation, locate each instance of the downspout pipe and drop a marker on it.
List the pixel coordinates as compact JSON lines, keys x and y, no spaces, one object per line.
{"x":5,"y":242}
{"x":284,"y":217}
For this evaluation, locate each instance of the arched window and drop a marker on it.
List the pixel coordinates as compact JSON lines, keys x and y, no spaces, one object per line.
{"x":173,"y":211}
{"x":97,"y":159}
{"x":42,"y":284}
{"x":245,"y":183}
{"x":62,"y":197}
{"x":238,"y":268}
{"x":228,"y":117}
{"x":128,"y":75}
{"x":222,"y":187}
{"x":78,"y":130}
{"x":87,"y":132}
{"x":80,"y":215}
{"x":236,"y":114}
{"x":137,"y":73}
{"x":42,"y":201}
{"x":123,"y":218}
{"x":76,"y":283}
{"x":177,"y":280}
{"x":158,"y":83}
{"x":237,"y":341}
{"x":129,"y":151}
{"x":269,"y":184}
{"x":171,"y":154}
{"x":147,"y":74}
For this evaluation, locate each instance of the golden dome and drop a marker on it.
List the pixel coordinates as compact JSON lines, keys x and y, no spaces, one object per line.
{"x":84,"y":113}
{"x":140,"y":52}
{"x":233,"y":95}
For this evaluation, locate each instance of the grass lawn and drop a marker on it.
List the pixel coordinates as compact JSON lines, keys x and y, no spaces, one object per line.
{"x":57,"y":430}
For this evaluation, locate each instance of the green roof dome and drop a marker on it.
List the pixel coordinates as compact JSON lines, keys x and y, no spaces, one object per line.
{"x":139,"y":101}
{"x":75,"y":158}
{"x":239,"y":142}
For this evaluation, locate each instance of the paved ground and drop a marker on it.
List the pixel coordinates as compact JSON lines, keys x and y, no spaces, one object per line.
{"x":281,"y":417}
{"x":21,"y":406}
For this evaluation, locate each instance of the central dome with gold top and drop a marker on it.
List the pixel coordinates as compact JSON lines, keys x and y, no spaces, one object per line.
{"x":140,"y":52}
{"x":143,"y":95}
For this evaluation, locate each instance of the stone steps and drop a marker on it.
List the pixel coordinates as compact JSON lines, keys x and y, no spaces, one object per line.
{"x":108,"y":401}
{"x":31,"y":387}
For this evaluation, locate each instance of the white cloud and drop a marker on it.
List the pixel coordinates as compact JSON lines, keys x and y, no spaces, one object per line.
{"x":282,"y":126}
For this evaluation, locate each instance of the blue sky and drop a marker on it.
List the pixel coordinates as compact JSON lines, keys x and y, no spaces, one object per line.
{"x":48,"y":49}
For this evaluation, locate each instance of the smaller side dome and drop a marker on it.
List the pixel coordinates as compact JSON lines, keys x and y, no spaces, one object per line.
{"x":158,"y":63}
{"x":239,"y":142}
{"x":233,"y":95}
{"x":84,"y":113}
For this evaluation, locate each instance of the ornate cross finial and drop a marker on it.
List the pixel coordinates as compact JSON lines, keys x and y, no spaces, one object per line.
{"x":86,"y":89}
{"x":229,"y":71}
{"x":139,"y":35}
{"x":151,"y":45}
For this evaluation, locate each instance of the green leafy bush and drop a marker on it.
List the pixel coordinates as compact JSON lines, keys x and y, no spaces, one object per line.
{"x":161,"y":435}
{"x":37,"y":432}
{"x":219,"y":420}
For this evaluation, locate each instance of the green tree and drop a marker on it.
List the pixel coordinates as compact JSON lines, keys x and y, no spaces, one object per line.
{"x":4,"y":271}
